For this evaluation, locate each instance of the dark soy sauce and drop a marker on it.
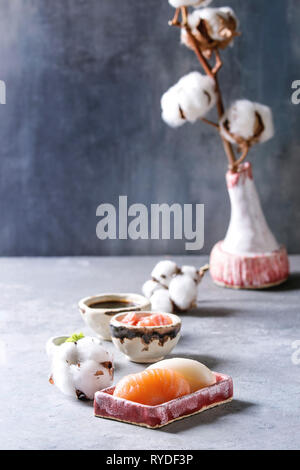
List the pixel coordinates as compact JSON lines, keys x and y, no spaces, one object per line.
{"x":113,"y":304}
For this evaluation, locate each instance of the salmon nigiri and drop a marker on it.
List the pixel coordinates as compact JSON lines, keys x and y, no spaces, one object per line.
{"x":152,"y":386}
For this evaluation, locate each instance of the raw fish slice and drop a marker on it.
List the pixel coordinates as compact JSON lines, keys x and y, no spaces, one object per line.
{"x":197,"y":374}
{"x":131,"y":319}
{"x":152,"y":387}
{"x":155,"y":320}
{"x":108,"y":406}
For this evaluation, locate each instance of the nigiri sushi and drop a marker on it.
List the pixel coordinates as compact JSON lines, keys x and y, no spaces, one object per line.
{"x":197,"y":374}
{"x":152,"y":387}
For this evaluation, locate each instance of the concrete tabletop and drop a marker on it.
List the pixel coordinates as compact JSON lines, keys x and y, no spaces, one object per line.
{"x":246,"y":334}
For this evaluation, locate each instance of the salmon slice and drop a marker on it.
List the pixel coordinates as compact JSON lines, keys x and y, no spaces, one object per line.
{"x":155,"y":320}
{"x":131,"y":319}
{"x":152,"y":387}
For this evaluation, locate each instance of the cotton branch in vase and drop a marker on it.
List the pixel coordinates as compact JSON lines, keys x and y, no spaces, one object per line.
{"x":206,"y":31}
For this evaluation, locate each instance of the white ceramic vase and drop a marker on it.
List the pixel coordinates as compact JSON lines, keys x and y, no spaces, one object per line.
{"x":249,"y":257}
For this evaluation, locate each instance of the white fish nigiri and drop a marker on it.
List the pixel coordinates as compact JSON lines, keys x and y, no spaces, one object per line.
{"x":197,"y":374}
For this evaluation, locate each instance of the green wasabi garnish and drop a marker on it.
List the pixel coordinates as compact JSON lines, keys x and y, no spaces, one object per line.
{"x":75,"y":337}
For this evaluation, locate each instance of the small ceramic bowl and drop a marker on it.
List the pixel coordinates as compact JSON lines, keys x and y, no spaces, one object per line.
{"x":97,"y":311}
{"x":53,"y":343}
{"x":145,"y":344}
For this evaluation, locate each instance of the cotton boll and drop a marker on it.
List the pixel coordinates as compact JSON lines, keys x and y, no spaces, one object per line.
{"x":61,"y":377}
{"x":183,"y":291}
{"x":187,"y":3}
{"x":150,"y":287}
{"x":211,"y":27}
{"x":247,"y":121}
{"x":91,"y":348}
{"x":164,"y":271}
{"x":267,"y":117}
{"x":81,"y":368}
{"x":196,"y":95}
{"x":220,"y":22}
{"x":190,"y":99}
{"x":66,"y":352}
{"x":89,"y":377}
{"x":160,"y":302}
{"x":171,"y":112}
{"x":239,"y":121}
{"x":192,"y":272}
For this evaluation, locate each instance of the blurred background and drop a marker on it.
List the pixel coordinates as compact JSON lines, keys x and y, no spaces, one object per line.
{"x":82,"y":121}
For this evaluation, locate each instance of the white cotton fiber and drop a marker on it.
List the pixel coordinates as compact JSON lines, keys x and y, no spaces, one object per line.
{"x":183,"y":291}
{"x":91,"y":348}
{"x":150,"y":287}
{"x":60,"y":375}
{"x":267,"y":117}
{"x":215,"y":18}
{"x":171,"y":112}
{"x":164,"y":271}
{"x":241,"y":118}
{"x":81,"y":368}
{"x":187,"y":3}
{"x":160,"y":302}
{"x":190,"y":99}
{"x":67,"y":352}
{"x":196,"y":95}
{"x":90,"y":377}
{"x":192,"y":272}
{"x":221,"y":23}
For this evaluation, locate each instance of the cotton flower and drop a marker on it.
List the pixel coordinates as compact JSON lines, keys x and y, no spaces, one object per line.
{"x":247,"y":122}
{"x":190,"y":99}
{"x":183,"y":291}
{"x":161,"y":302}
{"x":212,"y":28}
{"x":150,"y":287}
{"x":192,"y":272}
{"x":164,"y":271}
{"x":173,"y":288}
{"x":187,"y":3}
{"x":80,"y":368}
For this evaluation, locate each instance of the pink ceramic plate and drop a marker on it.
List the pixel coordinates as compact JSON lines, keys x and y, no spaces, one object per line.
{"x":108,"y":406}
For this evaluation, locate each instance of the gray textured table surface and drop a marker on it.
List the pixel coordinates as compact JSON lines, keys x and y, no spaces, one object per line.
{"x":246,"y":334}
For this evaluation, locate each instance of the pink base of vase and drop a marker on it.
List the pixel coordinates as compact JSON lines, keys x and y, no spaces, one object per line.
{"x":246,"y":271}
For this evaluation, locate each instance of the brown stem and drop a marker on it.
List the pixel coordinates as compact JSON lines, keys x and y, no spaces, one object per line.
{"x":213,"y":124}
{"x":219,"y":62}
{"x":197,"y":49}
{"x":184,"y":13}
{"x":203,"y":270}
{"x":174,"y":21}
{"x":213,"y":73}
{"x":242,"y":158}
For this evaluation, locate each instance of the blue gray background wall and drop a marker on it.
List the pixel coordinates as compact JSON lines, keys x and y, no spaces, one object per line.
{"x":82,"y":121}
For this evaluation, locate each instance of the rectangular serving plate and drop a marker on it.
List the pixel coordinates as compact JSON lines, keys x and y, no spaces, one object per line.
{"x":108,"y":406}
